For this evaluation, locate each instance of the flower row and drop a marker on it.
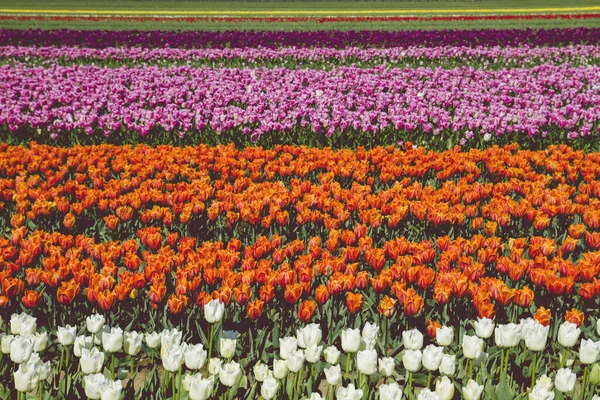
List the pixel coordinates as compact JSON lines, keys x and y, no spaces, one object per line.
{"x":303,"y":365}
{"x":560,"y":100}
{"x":202,"y":39}
{"x":320,"y":20}
{"x":496,"y":56}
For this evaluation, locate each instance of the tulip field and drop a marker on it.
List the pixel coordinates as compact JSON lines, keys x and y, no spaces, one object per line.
{"x":300,"y":214}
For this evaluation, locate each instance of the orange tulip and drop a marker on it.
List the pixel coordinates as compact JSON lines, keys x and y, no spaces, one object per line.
{"x":255,"y":308}
{"x":543,"y":316}
{"x":177,"y":303}
{"x":31,"y":299}
{"x":321,"y":294}
{"x":106,"y":299}
{"x":387,"y":306}
{"x":306,"y":310}
{"x":292,"y":293}
{"x":353,"y":302}
{"x":574,"y":316}
{"x":432,"y":328}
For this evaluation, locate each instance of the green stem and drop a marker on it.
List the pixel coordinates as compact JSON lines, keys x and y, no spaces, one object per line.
{"x":173,"y":386}
{"x":563,"y":360}
{"x":348,"y":361}
{"x":62,"y":354}
{"x":131,"y":366}
{"x":365,"y":386}
{"x":584,"y":382}
{"x":533,"y":367}
{"x":299,"y":384}
{"x":502,"y":362}
{"x":329,"y":392}
{"x":112,"y":365}
{"x":210,"y":345}
{"x":506,"y":361}
{"x":410,"y":393}
{"x":41,"y":391}
{"x":429,"y":379}
{"x":470,"y":369}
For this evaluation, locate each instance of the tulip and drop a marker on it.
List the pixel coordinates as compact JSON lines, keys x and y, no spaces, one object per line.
{"x":279,"y":369}
{"x":390,"y":391}
{"x":508,"y":335}
{"x":444,"y":388}
{"x":332,"y":355}
{"x":444,"y":335}
{"x":412,"y":360}
{"x":484,"y":327}
{"x":565,"y":380}
{"x":201,"y":389}
{"x":93,"y":385}
{"x":214,"y":365}
{"x":112,"y":341}
{"x":172,"y":359}
{"x":132,"y":342}
{"x":287,"y":346}
{"x":588,"y":351}
{"x":269,"y":388}
{"x":195,"y":356}
{"x":542,"y":389}
{"x":366,"y":361}
{"x":21,"y":349}
{"x":40,"y":341}
{"x":213,"y":311}
{"x":315,"y":396}
{"x":66,"y":335}
{"x":387,"y":366}
{"x":472,"y":347}
{"x":111,"y":390}
{"x":412,"y":339}
{"x":534,"y":334}
{"x":348,"y":393}
{"x":427,"y":394}
{"x":432,"y":357}
{"x":261,"y":371}
{"x":448,"y":365}
{"x":23,"y":324}
{"x":333,"y":375}
{"x":94,"y":323}
{"x":295,"y":360}
{"x":6,"y":342}
{"x":227,"y":348}
{"x":568,"y":334}
{"x":230,"y":373}
{"x":351,"y":340}
{"x":369,"y":336}
{"x":26,"y":378}
{"x":153,"y":339}
{"x":598,"y":326}
{"x":472,"y":391}
{"x":310,"y":334}
{"x":313,"y":353}
{"x":91,"y":361}
{"x":82,"y":342}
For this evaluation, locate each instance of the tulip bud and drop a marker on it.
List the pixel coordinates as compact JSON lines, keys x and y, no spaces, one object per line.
{"x":472,"y":391}
{"x":132,"y":342}
{"x":214,"y":365}
{"x":432,"y":357}
{"x":152,"y":339}
{"x":172,"y":359}
{"x":387,"y":365}
{"x":295,"y":361}
{"x":26,"y":378}
{"x":448,"y":365}
{"x":279,"y":369}
{"x":261,"y":371}
{"x":568,"y":334}
{"x":484,"y":327}
{"x":91,"y":361}
{"x":412,"y":339}
{"x":230,"y":373}
{"x":112,"y":341}
{"x":412,"y":360}
{"x":333,"y":374}
{"x":472,"y":347}
{"x":66,"y":335}
{"x":213,"y":311}
{"x":351,"y":339}
{"x":332,"y":355}
{"x":227,"y":348}
{"x":93,"y":385}
{"x":444,"y":335}
{"x":565,"y":380}
{"x":348,"y":393}
{"x":366,"y":360}
{"x":313,"y":353}
{"x":588,"y":351}
{"x":444,"y":388}
{"x":21,"y":349}
{"x":111,"y":390}
{"x":390,"y":391}
{"x":287,"y":346}
{"x":269,"y":388}
{"x":94,"y":323}
{"x":82,"y":342}
{"x":195,"y":356}
{"x":201,"y":389}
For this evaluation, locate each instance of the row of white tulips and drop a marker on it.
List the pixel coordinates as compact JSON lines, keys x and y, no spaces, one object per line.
{"x":297,"y":354}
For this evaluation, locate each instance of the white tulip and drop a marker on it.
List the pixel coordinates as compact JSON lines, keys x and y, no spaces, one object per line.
{"x":472,"y":347}
{"x":432,"y":357}
{"x":315,"y":396}
{"x":214,"y":365}
{"x":448,"y":365}
{"x":23,"y":324}
{"x":588,"y":351}
{"x":153,"y":339}
{"x":40,"y":341}
{"x":296,"y":360}
{"x":287,"y":346}
{"x":369,"y":336}
{"x":332,"y":355}
{"x":333,"y":374}
{"x":21,"y":349}
{"x":173,"y":357}
{"x":111,"y":390}
{"x":82,"y":342}
{"x":484,"y":327}
{"x":540,"y":393}
{"x":261,"y":371}
{"x":213,"y":311}
{"x":169,"y":338}
{"x":280,"y":369}
{"x":26,"y":378}
{"x":195,"y":356}
{"x":568,"y":334}
{"x":132,"y":342}
{"x":472,"y":391}
{"x":412,"y":339}
{"x":565,"y":380}
{"x":6,"y":342}
{"x":351,"y":339}
{"x":66,"y":335}
{"x":308,"y":335}
{"x":348,"y":393}
{"x":313,"y":353}
{"x":598,"y":326}
{"x":444,"y":335}
{"x":390,"y":391}
{"x":269,"y":388}
{"x":427,"y":394}
{"x":15,"y":324}
{"x":98,"y":337}
{"x":93,"y":385}
{"x":230,"y":373}
{"x":387,"y":366}
{"x":507,"y":335}
{"x":227,"y":348}
{"x":94,"y":323}
{"x":412,"y":360}
{"x":43,"y":369}
{"x":366,"y":360}
{"x":112,"y":341}
{"x":91,"y":361}
{"x":534,"y":334}
{"x":201,"y":389}
{"x":444,"y":388}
